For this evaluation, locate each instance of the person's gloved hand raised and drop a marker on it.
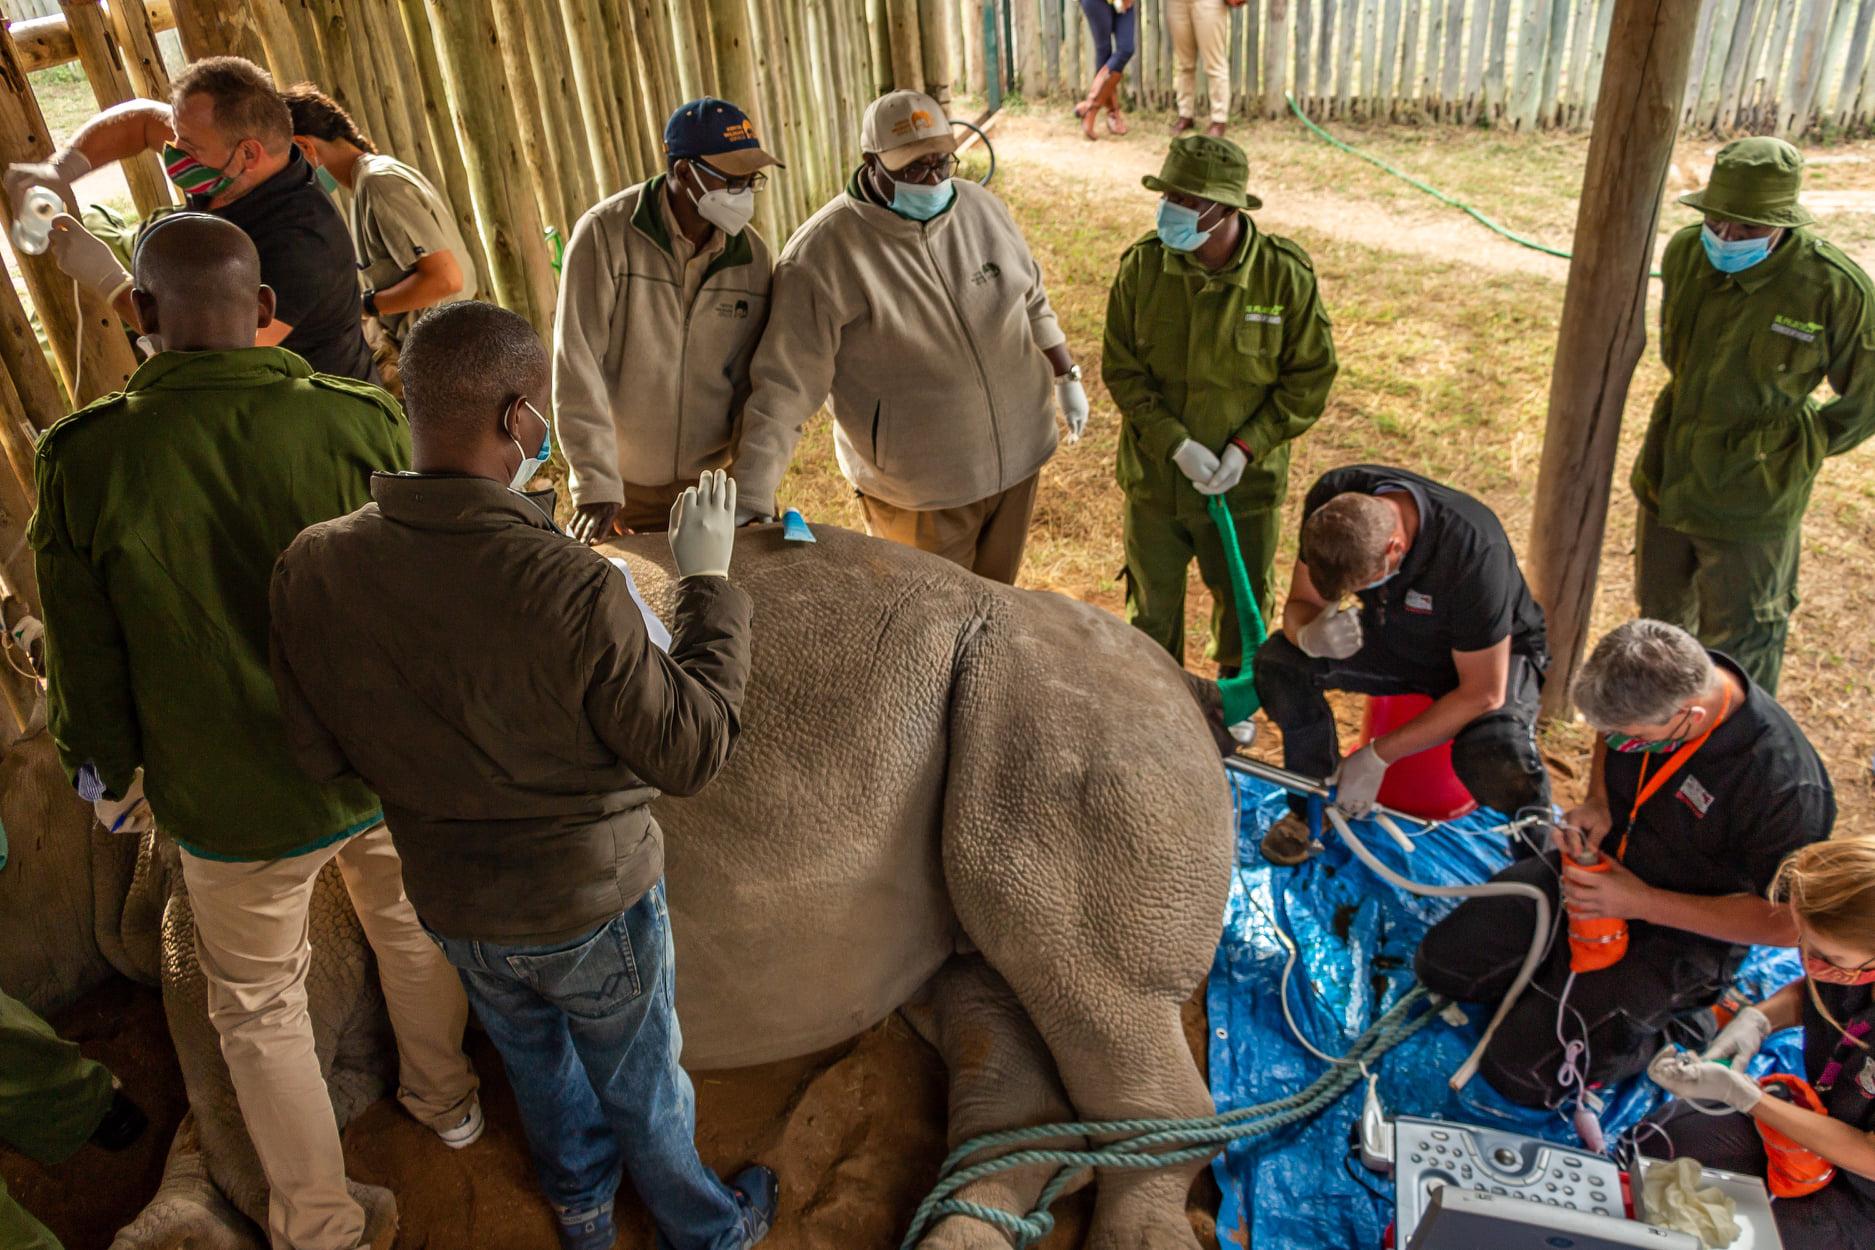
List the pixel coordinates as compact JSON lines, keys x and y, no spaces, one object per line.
{"x":1195,"y":461}
{"x":592,"y":523}
{"x":87,"y":259}
{"x":1335,"y":634}
{"x":703,"y":526}
{"x":1230,"y":467}
{"x":1741,"y":1038}
{"x":1072,"y":397}
{"x":1357,"y":784}
{"x":1685,"y":1074}
{"x":57,"y":175}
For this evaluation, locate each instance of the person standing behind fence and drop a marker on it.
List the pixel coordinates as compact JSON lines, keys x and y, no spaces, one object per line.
{"x":409,"y":250}
{"x":1201,"y":31}
{"x":1114,"y":25}
{"x":226,"y":140}
{"x":663,"y":297}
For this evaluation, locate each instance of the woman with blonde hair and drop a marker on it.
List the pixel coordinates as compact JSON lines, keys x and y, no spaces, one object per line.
{"x":1813,"y":1140}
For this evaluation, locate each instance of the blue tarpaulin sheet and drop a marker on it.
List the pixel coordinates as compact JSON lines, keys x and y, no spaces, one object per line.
{"x":1357,"y":934}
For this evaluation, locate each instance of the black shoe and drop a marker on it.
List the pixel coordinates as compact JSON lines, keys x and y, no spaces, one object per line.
{"x":757,"y":1189}
{"x":121,"y":1125}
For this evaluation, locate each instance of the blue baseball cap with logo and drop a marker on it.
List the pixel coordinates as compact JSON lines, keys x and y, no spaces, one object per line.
{"x":719,"y":134}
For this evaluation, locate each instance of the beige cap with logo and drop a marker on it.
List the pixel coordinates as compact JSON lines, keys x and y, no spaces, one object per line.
{"x":904,"y":126}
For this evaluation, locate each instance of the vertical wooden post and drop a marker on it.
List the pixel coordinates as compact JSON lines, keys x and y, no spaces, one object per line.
{"x":907,"y":56}
{"x":110,"y":84}
{"x":102,"y":361}
{"x":217,"y":28}
{"x":1276,"y":59}
{"x":934,"y":42}
{"x":24,"y":361}
{"x":1604,"y":316}
{"x":136,"y":39}
{"x":530,"y":112}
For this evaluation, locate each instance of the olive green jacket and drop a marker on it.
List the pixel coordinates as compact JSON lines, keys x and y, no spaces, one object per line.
{"x":1242,"y":353}
{"x":162,"y":509}
{"x":1736,"y":438}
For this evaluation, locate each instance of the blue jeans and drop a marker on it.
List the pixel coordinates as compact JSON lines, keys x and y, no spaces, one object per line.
{"x":1114,"y":33}
{"x":588,"y":1033}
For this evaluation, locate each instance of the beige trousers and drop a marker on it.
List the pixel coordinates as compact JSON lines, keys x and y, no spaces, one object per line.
{"x":251,"y":936}
{"x":1201,"y":31}
{"x":987,"y":537}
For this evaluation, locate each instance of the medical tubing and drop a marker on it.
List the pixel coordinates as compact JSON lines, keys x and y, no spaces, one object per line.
{"x":1489,"y":889}
{"x":1140,"y":1143}
{"x":1240,"y":692}
{"x":1520,"y":239}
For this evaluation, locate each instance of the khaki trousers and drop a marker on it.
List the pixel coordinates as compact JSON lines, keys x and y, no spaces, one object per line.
{"x":647,"y":509}
{"x":1201,"y":31}
{"x":251,"y":936}
{"x":987,"y":537}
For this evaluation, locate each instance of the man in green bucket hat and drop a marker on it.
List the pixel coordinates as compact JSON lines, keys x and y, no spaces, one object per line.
{"x":1217,"y":353}
{"x":1757,"y":312}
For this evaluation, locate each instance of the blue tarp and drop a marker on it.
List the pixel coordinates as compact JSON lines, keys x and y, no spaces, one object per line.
{"x":1357,"y":934}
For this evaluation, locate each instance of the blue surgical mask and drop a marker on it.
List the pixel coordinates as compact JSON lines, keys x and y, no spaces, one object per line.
{"x":530,"y":465}
{"x":1378,"y":582}
{"x":1178,"y":227}
{"x":326,"y":181}
{"x":1734,"y":255}
{"x":919,"y":202}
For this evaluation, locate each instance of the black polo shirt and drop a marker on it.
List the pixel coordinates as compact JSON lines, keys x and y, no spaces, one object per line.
{"x":1755,"y":792}
{"x":1458,"y":589}
{"x":1850,"y":1092}
{"x":306,"y":257}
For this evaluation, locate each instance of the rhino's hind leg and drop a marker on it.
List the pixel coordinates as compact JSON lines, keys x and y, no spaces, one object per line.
{"x":188,"y":1211}
{"x":1001,"y":1077}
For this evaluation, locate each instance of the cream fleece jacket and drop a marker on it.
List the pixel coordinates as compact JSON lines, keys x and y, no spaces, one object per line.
{"x":647,"y":385}
{"x":928,"y":336}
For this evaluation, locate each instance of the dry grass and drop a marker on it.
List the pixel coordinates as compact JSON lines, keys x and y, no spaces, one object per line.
{"x":1445,"y":369}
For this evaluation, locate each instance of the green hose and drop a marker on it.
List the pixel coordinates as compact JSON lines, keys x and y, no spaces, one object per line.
{"x":1434,"y":192}
{"x":1239,"y":692}
{"x":1147,"y":1144}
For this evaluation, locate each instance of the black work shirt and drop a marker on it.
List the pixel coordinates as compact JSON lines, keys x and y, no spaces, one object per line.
{"x":1850,"y":1096}
{"x":1755,"y":792}
{"x":306,"y":257}
{"x":1458,"y":587}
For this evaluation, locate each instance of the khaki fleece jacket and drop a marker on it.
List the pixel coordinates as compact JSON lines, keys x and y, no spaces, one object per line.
{"x":647,"y":384}
{"x":929,"y":337}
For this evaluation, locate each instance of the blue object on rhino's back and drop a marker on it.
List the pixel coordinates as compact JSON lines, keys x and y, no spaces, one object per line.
{"x":794,"y":528}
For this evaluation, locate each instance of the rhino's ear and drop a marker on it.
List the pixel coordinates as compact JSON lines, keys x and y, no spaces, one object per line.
{"x":1210,"y":702}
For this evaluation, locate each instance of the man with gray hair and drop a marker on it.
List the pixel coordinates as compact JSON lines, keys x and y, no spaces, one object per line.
{"x":1405,"y":586}
{"x":1700,"y":785}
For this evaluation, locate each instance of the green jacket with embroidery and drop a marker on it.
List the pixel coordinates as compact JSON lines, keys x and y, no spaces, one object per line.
{"x":1244,"y":352}
{"x":1736,"y":438}
{"x":162,"y":509}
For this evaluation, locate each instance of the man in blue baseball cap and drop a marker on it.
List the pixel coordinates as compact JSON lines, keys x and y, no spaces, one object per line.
{"x":663,"y":297}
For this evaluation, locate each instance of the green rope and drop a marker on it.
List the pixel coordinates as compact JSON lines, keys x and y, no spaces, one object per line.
{"x":1146,"y":1144}
{"x":1433,"y":191}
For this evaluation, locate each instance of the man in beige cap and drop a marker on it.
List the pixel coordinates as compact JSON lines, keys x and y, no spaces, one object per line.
{"x":663,"y":297}
{"x":912,"y":299}
{"x":1757,"y":312}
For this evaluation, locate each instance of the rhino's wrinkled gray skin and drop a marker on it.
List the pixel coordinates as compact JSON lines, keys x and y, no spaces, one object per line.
{"x":999,"y":809}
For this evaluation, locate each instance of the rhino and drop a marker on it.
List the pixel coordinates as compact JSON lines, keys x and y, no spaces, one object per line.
{"x":999,"y":811}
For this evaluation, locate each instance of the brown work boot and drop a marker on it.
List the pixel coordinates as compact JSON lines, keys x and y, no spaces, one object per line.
{"x":1215,"y":130}
{"x":1180,"y":126}
{"x":1096,"y":95}
{"x":1110,"y":100}
{"x":1092,"y":103}
{"x":1287,"y":842}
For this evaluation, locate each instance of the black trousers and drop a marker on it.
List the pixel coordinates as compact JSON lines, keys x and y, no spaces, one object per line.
{"x":1840,"y":1216}
{"x":1627,"y":1012}
{"x":1495,"y":756}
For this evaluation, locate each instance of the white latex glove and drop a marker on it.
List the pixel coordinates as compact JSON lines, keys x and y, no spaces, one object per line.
{"x":703,"y":526}
{"x":67,"y":166}
{"x":1195,"y":461}
{"x":1244,"y":732}
{"x":1358,"y":783}
{"x":1686,"y":1075}
{"x":1741,"y":1038}
{"x":1072,"y":397}
{"x":128,"y":815}
{"x":1230,"y":466}
{"x":86,"y":258}
{"x":1335,"y":634}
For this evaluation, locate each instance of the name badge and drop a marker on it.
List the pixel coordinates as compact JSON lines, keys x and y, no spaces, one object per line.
{"x":1695,"y":796}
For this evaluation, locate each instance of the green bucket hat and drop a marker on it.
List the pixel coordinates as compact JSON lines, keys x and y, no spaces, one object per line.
{"x":1754,"y":181}
{"x":1211,"y":169}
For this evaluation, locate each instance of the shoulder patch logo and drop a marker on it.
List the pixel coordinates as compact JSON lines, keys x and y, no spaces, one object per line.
{"x":1419,"y":601}
{"x":1267,"y":314}
{"x":1695,"y":796}
{"x":1791,"y":327}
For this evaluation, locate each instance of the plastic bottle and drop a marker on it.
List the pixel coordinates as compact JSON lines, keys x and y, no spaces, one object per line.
{"x":32,"y":229}
{"x":1599,"y":943}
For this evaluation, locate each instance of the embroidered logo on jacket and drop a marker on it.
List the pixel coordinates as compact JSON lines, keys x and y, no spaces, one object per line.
{"x":1802,"y":331}
{"x":989,"y":273}
{"x":1268,"y":314}
{"x":1695,"y":796}
{"x":1419,"y":601}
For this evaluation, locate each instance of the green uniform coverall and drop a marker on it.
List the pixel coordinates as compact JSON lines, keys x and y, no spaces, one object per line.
{"x":51,"y":1100}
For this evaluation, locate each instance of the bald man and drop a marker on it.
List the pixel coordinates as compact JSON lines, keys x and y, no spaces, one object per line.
{"x":161,"y":512}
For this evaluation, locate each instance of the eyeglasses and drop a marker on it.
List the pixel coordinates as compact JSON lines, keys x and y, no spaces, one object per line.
{"x":1860,"y":968}
{"x":931,"y":169}
{"x":754,"y":182}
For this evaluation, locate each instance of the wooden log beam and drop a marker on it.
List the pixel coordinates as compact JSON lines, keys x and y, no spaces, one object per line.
{"x":135,"y":24}
{"x":1604,"y":327}
{"x":110,"y":84}
{"x":212,"y":28}
{"x":47,"y":41}
{"x":99,"y":360}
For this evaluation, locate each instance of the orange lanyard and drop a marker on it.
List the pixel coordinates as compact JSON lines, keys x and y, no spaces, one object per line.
{"x":1648,"y":788}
